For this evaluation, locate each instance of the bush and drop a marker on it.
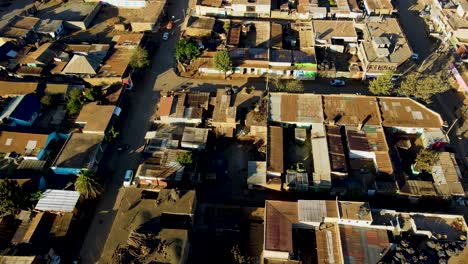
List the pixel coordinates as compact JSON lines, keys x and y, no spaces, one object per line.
{"x":47,"y":100}
{"x":185,"y":158}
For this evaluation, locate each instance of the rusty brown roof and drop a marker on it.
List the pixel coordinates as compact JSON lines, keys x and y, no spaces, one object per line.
{"x":280,"y":216}
{"x":275,"y":149}
{"x":8,"y":89}
{"x":328,"y":246}
{"x":351,"y":110}
{"x":418,"y":188}
{"x":19,"y":142}
{"x":165,"y":106}
{"x":405,"y":112}
{"x":117,"y":63}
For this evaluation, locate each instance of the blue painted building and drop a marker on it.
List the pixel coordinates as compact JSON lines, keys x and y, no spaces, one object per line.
{"x":80,"y":151}
{"x":21,"y":111}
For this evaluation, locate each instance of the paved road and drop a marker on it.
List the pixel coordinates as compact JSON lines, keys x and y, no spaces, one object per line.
{"x":423,"y":44}
{"x":134,"y":124}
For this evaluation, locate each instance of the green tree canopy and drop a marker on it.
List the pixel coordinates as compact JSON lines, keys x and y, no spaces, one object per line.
{"x":423,"y":87}
{"x":140,"y":58}
{"x":186,"y":50}
{"x":382,"y":85}
{"x":75,"y":101}
{"x":185,"y":158}
{"x":222,"y":61}
{"x":88,"y":184}
{"x":93,"y":94}
{"x":12,"y":197}
{"x":425,"y":159}
{"x":226,"y":26}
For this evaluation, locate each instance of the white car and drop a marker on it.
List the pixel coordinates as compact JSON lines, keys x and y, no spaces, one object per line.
{"x":415,"y":56}
{"x":128,"y":178}
{"x":165,"y":36}
{"x":337,"y":82}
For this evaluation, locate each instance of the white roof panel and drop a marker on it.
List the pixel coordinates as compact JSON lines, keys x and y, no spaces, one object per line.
{"x":58,"y":201}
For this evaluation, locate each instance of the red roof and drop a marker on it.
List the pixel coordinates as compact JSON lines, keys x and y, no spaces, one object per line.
{"x":280,"y":216}
{"x":165,"y":106}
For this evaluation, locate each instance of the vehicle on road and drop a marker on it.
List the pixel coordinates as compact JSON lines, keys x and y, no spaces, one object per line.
{"x":415,"y":56}
{"x":337,"y":82}
{"x":165,"y":36}
{"x":128,"y":178}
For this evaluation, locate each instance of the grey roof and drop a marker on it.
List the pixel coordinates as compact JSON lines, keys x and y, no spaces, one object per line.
{"x":30,"y":164}
{"x":311,"y":210}
{"x":256,"y":172}
{"x":48,"y":25}
{"x":79,"y":150}
{"x":80,"y":65}
{"x":58,"y":201}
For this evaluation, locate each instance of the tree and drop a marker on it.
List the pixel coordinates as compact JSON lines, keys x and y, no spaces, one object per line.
{"x":88,"y":184}
{"x":112,"y":134}
{"x":47,"y":100}
{"x":93,"y":94}
{"x":226,"y":26}
{"x":12,"y":198}
{"x":185,"y":158}
{"x":75,"y":101}
{"x":222,"y":61}
{"x":423,"y":87}
{"x":186,"y":50}
{"x":382,"y":85}
{"x":140,"y":58}
{"x":425,"y":159}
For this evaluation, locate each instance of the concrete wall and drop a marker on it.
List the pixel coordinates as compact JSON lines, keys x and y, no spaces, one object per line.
{"x":210,"y":11}
{"x":260,"y":10}
{"x":141,"y":27}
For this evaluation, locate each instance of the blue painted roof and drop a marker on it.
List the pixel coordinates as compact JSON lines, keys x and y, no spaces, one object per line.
{"x":26,"y":108}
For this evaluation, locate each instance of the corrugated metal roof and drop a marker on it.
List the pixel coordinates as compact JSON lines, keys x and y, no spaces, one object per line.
{"x":405,"y":112}
{"x":322,"y":168}
{"x":278,"y":225}
{"x":275,"y":149}
{"x":363,"y":245}
{"x":58,"y":201}
{"x":311,"y":210}
{"x":336,"y":150}
{"x":295,"y":108}
{"x":165,"y":106}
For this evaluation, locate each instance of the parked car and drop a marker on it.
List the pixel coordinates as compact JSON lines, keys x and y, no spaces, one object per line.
{"x":165,"y":36}
{"x":128,"y":178}
{"x":337,"y":82}
{"x":415,"y":56}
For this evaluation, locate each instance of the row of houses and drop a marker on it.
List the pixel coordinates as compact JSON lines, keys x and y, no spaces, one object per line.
{"x":302,"y":50}
{"x":307,"y":9}
{"x":97,"y":63}
{"x":447,"y":20}
{"x":366,"y":140}
{"x":353,"y":232}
